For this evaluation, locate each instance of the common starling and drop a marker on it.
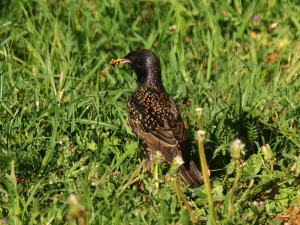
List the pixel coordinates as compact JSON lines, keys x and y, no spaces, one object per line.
{"x":154,"y":117}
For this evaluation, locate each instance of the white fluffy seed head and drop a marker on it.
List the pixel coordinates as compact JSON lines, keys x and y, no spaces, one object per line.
{"x":178,"y":160}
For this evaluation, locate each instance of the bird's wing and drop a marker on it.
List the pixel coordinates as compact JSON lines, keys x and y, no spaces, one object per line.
{"x":161,"y":132}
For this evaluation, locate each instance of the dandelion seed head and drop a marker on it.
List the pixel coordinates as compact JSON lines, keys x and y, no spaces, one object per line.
{"x":201,"y":135}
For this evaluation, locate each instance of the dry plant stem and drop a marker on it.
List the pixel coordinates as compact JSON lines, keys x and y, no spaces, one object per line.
{"x":104,"y":175}
{"x":272,"y":169}
{"x":180,"y":194}
{"x":204,"y":168}
{"x":81,"y":221}
{"x":295,"y":164}
{"x":200,"y":123}
{"x":234,"y":185}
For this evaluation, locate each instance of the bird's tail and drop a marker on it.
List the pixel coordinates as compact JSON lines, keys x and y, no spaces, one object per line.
{"x":191,"y":175}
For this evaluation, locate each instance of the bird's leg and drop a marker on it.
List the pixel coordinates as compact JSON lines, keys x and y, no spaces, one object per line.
{"x":146,"y":153}
{"x":148,"y":160}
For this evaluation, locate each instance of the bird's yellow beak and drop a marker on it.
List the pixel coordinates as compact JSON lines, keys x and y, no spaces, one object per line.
{"x":119,"y":61}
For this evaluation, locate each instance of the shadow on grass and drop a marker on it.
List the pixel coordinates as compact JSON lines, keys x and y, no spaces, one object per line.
{"x":250,"y":129}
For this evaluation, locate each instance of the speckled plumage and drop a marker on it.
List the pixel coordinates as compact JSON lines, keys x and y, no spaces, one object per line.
{"x":154,"y":117}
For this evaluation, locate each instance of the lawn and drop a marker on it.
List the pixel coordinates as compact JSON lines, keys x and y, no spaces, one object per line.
{"x":67,"y":152}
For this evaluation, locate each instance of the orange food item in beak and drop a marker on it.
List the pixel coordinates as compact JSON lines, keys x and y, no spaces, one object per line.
{"x":119,"y":61}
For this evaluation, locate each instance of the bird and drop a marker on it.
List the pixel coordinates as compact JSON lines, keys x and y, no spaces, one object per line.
{"x":154,"y":117}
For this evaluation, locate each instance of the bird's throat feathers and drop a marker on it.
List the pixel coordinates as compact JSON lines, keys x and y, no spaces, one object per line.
{"x":151,"y":79}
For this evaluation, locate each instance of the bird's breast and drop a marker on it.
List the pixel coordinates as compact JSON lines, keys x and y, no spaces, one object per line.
{"x":149,"y":107}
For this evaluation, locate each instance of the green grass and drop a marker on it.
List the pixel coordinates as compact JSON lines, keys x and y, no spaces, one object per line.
{"x":63,"y":126}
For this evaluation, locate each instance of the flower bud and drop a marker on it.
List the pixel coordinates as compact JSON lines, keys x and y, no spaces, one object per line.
{"x":177,"y":162}
{"x":199,"y":111}
{"x":268,"y":154}
{"x":236,"y":149}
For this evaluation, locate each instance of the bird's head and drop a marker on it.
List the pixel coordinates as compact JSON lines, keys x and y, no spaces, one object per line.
{"x":144,"y":62}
